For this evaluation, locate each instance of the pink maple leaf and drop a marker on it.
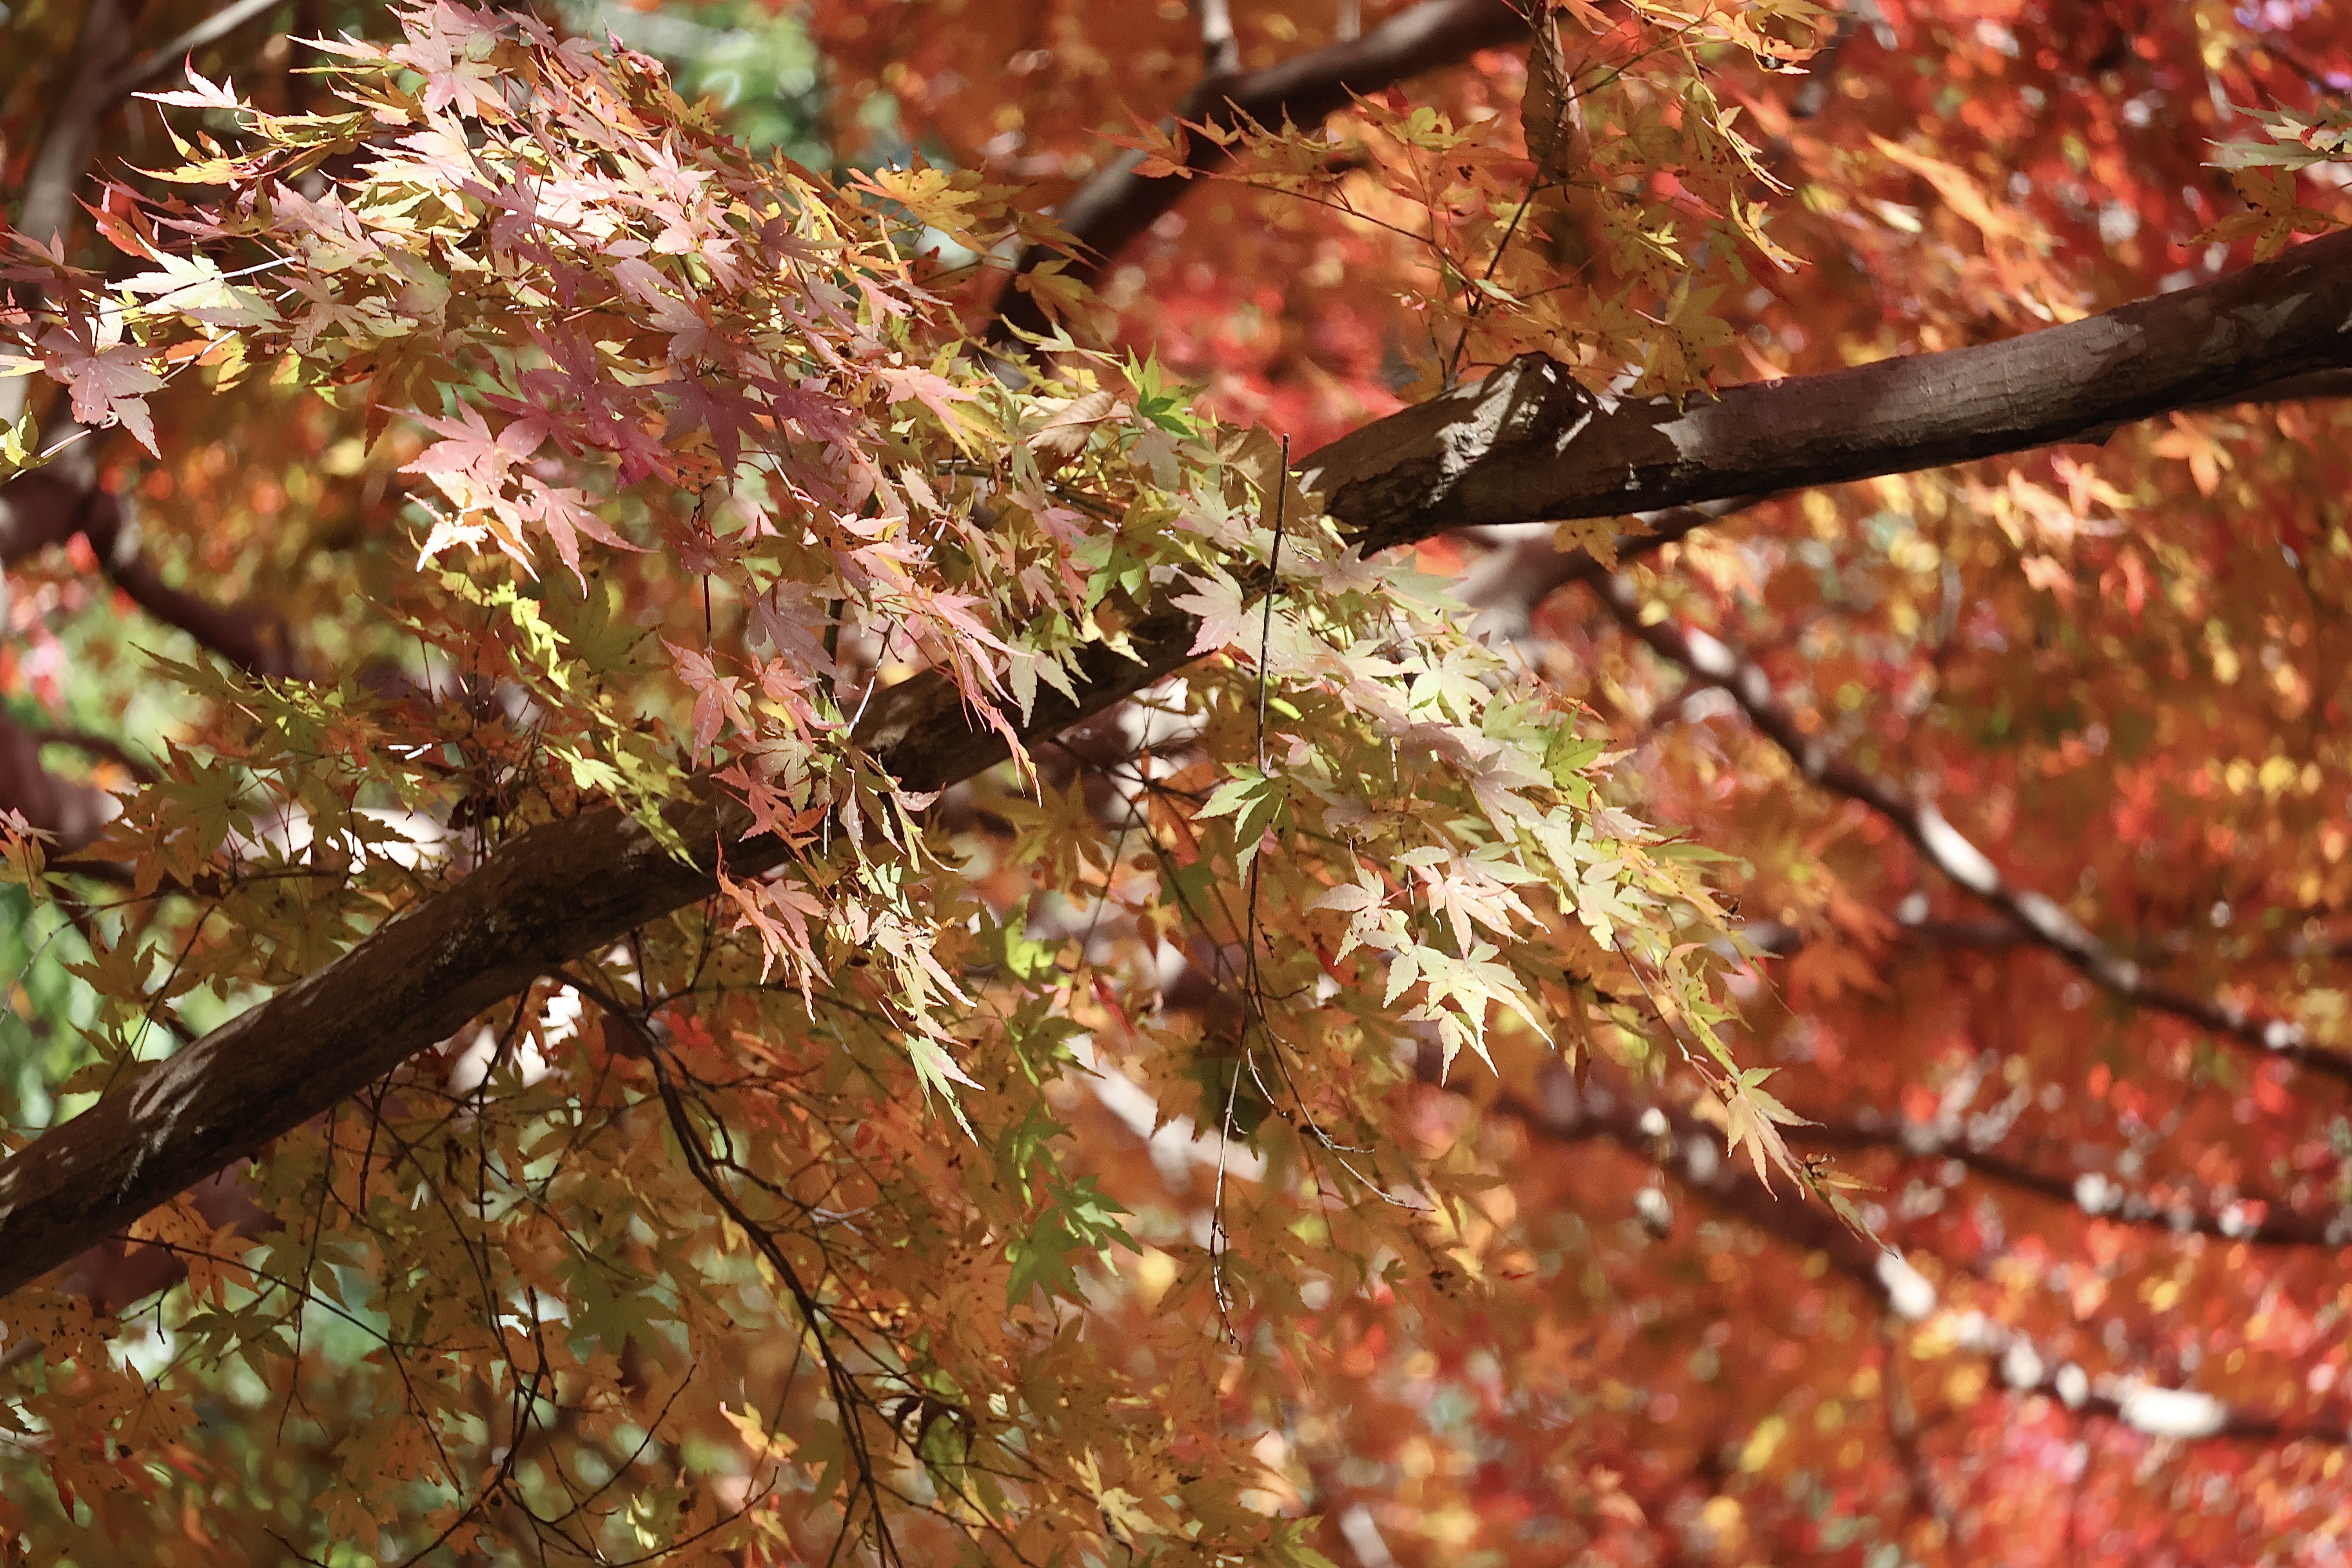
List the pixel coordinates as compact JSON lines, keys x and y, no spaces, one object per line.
{"x":451,"y":45}
{"x":910,"y":383}
{"x":716,"y":697}
{"x":201,"y":94}
{"x":109,"y":382}
{"x":565,"y":513}
{"x":1226,"y":620}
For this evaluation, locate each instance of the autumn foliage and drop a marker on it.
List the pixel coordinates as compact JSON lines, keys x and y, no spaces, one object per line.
{"x":1244,"y":782}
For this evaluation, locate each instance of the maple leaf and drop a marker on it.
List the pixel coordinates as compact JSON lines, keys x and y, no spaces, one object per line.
{"x":110,"y":379}
{"x":195,"y":287}
{"x":719,"y":698}
{"x":1752,"y":1119}
{"x":200,"y":93}
{"x":566,"y":513}
{"x":934,"y":391}
{"x":452,"y":49}
{"x":1225,"y":619}
{"x":704,"y":1133}
{"x":1066,"y":430}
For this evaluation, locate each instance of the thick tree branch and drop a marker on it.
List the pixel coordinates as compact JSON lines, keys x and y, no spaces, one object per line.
{"x":41,"y":509}
{"x":1528,"y":445}
{"x":1524,"y":446}
{"x":1106,"y":212}
{"x":1508,"y":582}
{"x":543,"y":898}
{"x":2036,"y":916}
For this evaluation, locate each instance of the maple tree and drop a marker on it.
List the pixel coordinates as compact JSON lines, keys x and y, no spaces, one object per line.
{"x":1227,"y":783}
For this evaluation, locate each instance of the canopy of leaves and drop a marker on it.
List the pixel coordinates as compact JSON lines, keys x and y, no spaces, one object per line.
{"x":707,"y":770}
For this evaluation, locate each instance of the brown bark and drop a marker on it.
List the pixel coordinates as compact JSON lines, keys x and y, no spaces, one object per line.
{"x":545,"y":898}
{"x":71,"y":813}
{"x":1528,"y":445}
{"x":1524,"y":446}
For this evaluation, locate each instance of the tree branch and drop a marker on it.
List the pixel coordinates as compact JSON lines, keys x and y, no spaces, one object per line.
{"x":254,"y":640}
{"x":1507,"y":584}
{"x":1528,"y":444}
{"x":71,"y":138}
{"x":71,"y":813}
{"x":1106,"y":212}
{"x":543,"y":898}
{"x":1693,"y":1153}
{"x":102,"y":80}
{"x":97,"y":745}
{"x":103,"y":76}
{"x":40,"y":509}
{"x":165,"y":58}
{"x":1782,"y":940}
{"x":1525,"y":444}
{"x":50,"y":505}
{"x":2036,"y":916}
{"x":2094,"y":1194}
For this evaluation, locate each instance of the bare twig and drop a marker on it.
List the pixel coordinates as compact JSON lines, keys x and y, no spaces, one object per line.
{"x":1681,"y":1146}
{"x":2036,"y":916}
{"x":165,"y":58}
{"x":1106,"y":214}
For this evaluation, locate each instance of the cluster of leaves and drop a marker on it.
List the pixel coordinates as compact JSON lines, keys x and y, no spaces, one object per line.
{"x":1091,"y":1134}
{"x":1577,"y":226}
{"x":2115,"y":665}
{"x":704,"y":465}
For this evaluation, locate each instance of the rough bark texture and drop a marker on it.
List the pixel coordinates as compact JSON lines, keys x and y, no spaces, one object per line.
{"x":550,"y":895}
{"x":1524,"y":446}
{"x":1528,"y":444}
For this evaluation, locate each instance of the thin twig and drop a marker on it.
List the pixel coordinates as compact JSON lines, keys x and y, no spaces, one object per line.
{"x":165,"y":58}
{"x":2036,"y":916}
